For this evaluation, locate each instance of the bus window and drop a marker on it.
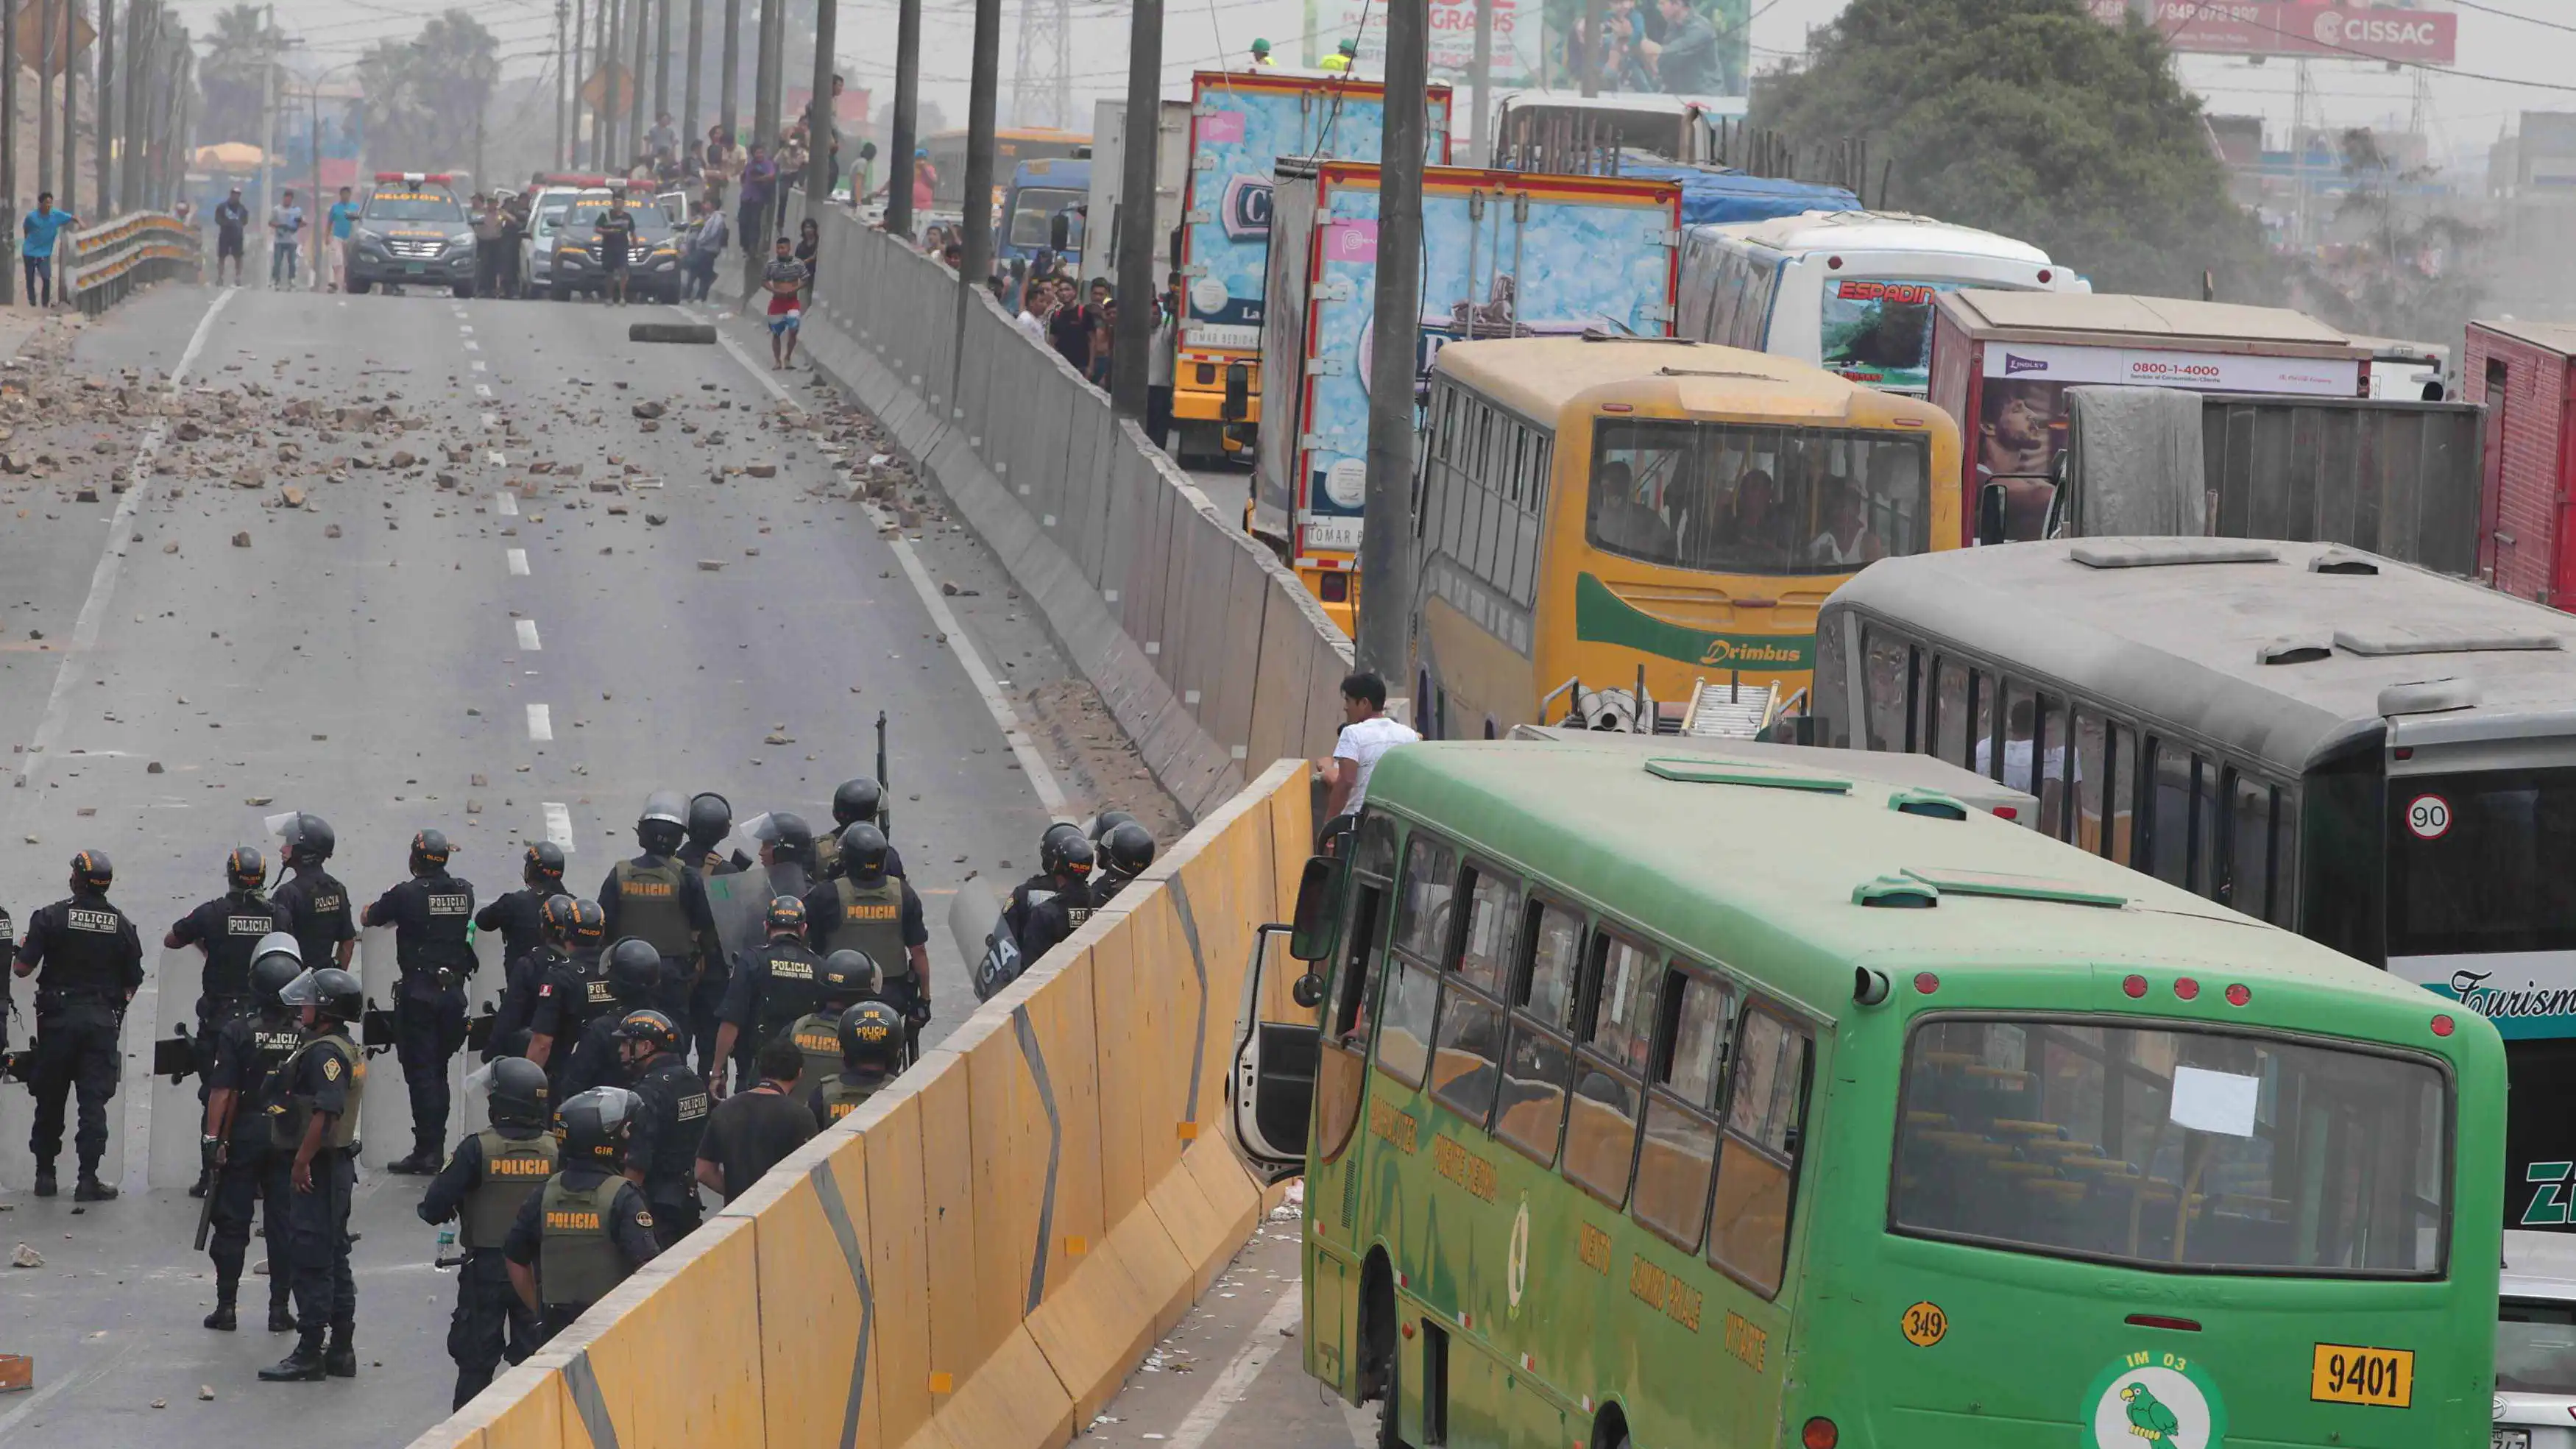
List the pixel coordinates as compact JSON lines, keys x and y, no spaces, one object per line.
{"x":2018,"y":727}
{"x":1680,"y":1145}
{"x":1534,"y":1079}
{"x":1404,"y":1020}
{"x":1948,"y":728}
{"x":2282,"y":895}
{"x":1740,"y":498}
{"x":2085,"y":727}
{"x":1623,"y":1016}
{"x":1981,"y":721}
{"x":1492,"y":905}
{"x":2120,"y":770}
{"x":2205,"y":814}
{"x":1601,"y":1130}
{"x":2168,"y":821}
{"x":1467,"y":1046}
{"x":2246,"y":882}
{"x":1749,"y":1225}
{"x":2050,"y":740}
{"x":1887,"y":690}
{"x":1430,"y":878}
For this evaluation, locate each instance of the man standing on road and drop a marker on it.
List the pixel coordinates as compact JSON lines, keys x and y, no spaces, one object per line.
{"x":232,"y":219}
{"x":344,"y":216}
{"x":1160,"y":366}
{"x":662,"y":141}
{"x":753,"y":1131}
{"x":487,"y":246}
{"x":36,"y":251}
{"x":489,"y":1175}
{"x":93,"y":965}
{"x":229,"y":930}
{"x":614,"y":229}
{"x":663,"y":1157}
{"x":659,"y":900}
{"x":318,"y":1092}
{"x":759,"y":176}
{"x":784,"y":280}
{"x":1367,"y":734}
{"x":248,"y":1053}
{"x":580,"y":1236}
{"x":316,"y":905}
{"x":706,"y":248}
{"x":431,"y":914}
{"x":285,"y":225}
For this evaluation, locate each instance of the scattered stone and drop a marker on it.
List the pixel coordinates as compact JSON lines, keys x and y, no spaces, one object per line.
{"x":656,"y":519}
{"x":173,"y":545}
{"x":328,"y":531}
{"x":86,"y":495}
{"x":705,"y":565}
{"x":205,"y":1393}
{"x":291,"y":496}
{"x":648,"y":409}
{"x":259,"y":800}
{"x":402,"y":458}
{"x":153,"y":768}
{"x":762,"y":470}
{"x":26,"y":1257}
{"x":242,"y":539}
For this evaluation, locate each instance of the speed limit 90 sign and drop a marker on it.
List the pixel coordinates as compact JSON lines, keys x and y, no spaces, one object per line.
{"x":2429,"y":817}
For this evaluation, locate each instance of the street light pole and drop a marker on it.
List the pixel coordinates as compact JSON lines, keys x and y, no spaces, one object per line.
{"x":1134,"y":224}
{"x":1386,"y":558}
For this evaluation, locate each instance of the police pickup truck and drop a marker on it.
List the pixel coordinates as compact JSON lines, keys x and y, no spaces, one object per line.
{"x":411,"y":231}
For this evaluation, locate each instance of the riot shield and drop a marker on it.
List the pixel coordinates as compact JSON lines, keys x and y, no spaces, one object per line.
{"x":161,"y":1070}
{"x":740,"y":902}
{"x":384,"y":1114}
{"x":468,"y":1111}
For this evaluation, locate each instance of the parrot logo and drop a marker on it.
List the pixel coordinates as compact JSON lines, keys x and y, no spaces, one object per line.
{"x":2149,"y":1419}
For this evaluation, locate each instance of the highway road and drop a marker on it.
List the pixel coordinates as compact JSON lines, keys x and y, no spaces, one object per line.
{"x":477,"y":642}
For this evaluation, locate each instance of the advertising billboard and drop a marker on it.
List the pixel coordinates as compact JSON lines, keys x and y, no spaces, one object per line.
{"x":1531,"y":44}
{"x":2300,"y":28}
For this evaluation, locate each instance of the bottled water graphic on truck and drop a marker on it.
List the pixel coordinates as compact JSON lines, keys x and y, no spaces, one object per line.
{"x":1505,"y":254}
{"x":1242,"y":126}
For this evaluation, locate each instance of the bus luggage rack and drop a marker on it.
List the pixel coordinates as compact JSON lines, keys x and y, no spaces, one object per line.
{"x":1729,"y":711}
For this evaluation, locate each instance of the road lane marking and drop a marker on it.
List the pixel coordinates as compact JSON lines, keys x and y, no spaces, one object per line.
{"x":1041,"y":778}
{"x":518,"y":563}
{"x":491,"y":420}
{"x":507,"y":502}
{"x":479,"y":367}
{"x":541,"y":723}
{"x":468,"y":331}
{"x":528,"y":635}
{"x":111,"y":562}
{"x":559,"y":825}
{"x":482,"y":389}
{"x":496,"y":459}
{"x":1208,"y":1414}
{"x":473,"y":346}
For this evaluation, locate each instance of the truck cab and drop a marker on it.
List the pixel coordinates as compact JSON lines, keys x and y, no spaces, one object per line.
{"x":1046,"y":209}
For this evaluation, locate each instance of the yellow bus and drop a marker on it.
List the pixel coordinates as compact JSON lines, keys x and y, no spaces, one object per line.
{"x":1636,"y":533}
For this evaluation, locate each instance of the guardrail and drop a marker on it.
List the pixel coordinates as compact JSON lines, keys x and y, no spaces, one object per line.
{"x":1207,"y":651}
{"x":116,"y":256}
{"x":979,"y":1255}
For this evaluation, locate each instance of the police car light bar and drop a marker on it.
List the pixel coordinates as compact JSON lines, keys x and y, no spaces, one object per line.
{"x":563,"y":178}
{"x":442,"y":177}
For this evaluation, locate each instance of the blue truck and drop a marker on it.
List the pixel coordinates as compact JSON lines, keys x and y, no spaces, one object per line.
{"x":1042,"y":193}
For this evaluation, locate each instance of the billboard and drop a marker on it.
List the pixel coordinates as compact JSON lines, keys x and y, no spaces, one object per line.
{"x":1516,"y":50}
{"x":1532,"y":44}
{"x":2300,"y":28}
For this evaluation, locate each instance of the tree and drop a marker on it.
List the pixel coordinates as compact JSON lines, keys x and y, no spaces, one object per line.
{"x":423,"y":98}
{"x":229,"y":79}
{"x":2033,"y":119}
{"x":2393,"y":267}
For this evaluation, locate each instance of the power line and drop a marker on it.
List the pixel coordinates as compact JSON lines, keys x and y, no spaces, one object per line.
{"x":2510,"y":15}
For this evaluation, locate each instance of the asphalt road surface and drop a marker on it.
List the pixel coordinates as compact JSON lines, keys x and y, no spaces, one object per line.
{"x":507,"y":656}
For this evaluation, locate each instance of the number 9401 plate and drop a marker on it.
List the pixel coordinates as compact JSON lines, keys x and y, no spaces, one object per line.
{"x":2345,"y":1374}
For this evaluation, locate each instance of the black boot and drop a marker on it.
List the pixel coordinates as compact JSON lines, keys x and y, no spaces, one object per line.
{"x":90,"y":1189}
{"x":303,"y":1366}
{"x":281,"y":1317}
{"x":419,"y":1164}
{"x":222,"y":1320}
{"x":45,"y":1179}
{"x":340,"y":1360}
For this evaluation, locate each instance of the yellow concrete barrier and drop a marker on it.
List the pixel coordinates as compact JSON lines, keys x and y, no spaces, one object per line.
{"x":977,"y":1258}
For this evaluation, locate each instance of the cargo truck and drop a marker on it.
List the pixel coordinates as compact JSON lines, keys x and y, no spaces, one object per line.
{"x":1109,"y":176}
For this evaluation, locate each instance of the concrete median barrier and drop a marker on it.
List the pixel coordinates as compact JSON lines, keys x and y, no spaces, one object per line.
{"x":977,"y":1257}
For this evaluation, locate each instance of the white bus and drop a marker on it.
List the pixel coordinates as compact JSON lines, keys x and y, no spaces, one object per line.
{"x":1849,"y":291}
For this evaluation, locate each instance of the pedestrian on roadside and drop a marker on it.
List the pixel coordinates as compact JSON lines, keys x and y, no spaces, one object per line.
{"x":1159,"y":366}
{"x":232,"y":219}
{"x":809,"y":246}
{"x":344,"y":218}
{"x":1070,"y":329}
{"x":759,"y":179}
{"x":752,"y":1132}
{"x":286,"y":227}
{"x":36,"y":248}
{"x":514,"y":230}
{"x":953,"y":257}
{"x":707,"y":247}
{"x":1036,"y":301}
{"x":488,"y":227}
{"x":614,"y":230}
{"x":663,"y":140}
{"x":783,"y":281}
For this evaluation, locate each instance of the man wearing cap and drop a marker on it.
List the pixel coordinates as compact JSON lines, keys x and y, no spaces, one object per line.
{"x":232,"y":220}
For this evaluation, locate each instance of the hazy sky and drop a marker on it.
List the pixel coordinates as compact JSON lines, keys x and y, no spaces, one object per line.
{"x":2466,"y":112}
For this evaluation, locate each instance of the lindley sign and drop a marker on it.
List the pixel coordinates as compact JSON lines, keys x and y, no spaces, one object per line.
{"x":2297,"y":28}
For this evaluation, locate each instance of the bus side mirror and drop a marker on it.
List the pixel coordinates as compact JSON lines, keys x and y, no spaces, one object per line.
{"x":1990,"y":513}
{"x":1308,"y":991}
{"x":1060,"y":232}
{"x":1314,"y":912}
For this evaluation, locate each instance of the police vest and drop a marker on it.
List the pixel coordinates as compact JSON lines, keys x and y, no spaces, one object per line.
{"x":438,"y":940}
{"x":246,"y":919}
{"x":818,"y":1036}
{"x":270,"y":1049}
{"x":289,"y":1115}
{"x":87,"y":958}
{"x":578,"y":1262}
{"x":787,"y":989}
{"x":872,"y":921}
{"x":841,"y":1097}
{"x":675,"y":1148}
{"x":513,"y":1167}
{"x":649,"y":906}
{"x":312,"y":899}
{"x":584,"y":999}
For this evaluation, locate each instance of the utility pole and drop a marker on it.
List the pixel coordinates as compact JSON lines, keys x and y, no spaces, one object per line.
{"x":729,"y":87}
{"x":604,"y":135}
{"x":9,"y":11}
{"x":577,"y":75}
{"x":764,"y":75}
{"x":661,"y":60}
{"x":106,"y":127}
{"x":562,"y":77}
{"x":267,"y":116}
{"x":820,"y":124}
{"x":71,"y":109}
{"x":986,"y":78}
{"x":634,"y":136}
{"x":1386,"y":558}
{"x":689,"y":88}
{"x":905,"y":138}
{"x":1480,"y":82}
{"x":142,"y":22}
{"x":1142,"y":132}
{"x":47,"y":51}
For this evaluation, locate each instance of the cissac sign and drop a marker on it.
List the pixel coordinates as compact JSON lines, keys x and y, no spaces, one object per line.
{"x":2136,"y":367}
{"x":2289,"y":27}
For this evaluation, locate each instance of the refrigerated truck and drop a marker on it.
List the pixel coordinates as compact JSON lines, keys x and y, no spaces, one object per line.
{"x":1505,"y":254}
{"x":1242,"y":125}
{"x":1109,"y":178}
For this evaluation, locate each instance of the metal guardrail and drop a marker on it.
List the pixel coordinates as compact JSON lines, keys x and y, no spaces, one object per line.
{"x":111,"y":259}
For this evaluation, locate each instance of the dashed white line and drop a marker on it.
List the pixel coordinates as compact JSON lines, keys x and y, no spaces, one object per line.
{"x":559,"y":825}
{"x":496,"y":459}
{"x":482,"y":389}
{"x":518,"y":563}
{"x":481,"y":367}
{"x":541,"y":723}
{"x":473,"y":346}
{"x":468,"y":331}
{"x":507,"y":504}
{"x":528,"y":635}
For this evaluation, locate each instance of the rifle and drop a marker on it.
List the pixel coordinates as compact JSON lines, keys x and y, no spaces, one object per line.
{"x":885,"y":812}
{"x":206,"y":1208}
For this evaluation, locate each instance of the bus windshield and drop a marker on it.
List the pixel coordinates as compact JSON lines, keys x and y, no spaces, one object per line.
{"x":1879,"y":331}
{"x":1033,"y":209}
{"x":1748,"y":499}
{"x":2472,"y":863}
{"x":2536,"y":1347}
{"x":2170,"y":1148}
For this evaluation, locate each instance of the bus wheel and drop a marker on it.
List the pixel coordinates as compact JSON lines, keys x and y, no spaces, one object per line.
{"x":1378,"y":1356}
{"x":1610,"y":1431}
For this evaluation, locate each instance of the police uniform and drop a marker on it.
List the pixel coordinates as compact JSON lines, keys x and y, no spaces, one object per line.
{"x":665,"y":1144}
{"x":249,"y":1051}
{"x":1052,"y":916}
{"x":656,"y":898}
{"x":818,"y":1037}
{"x":326,"y":1074}
{"x":844,"y":1092}
{"x":827,"y":856}
{"x":583,"y":1233}
{"x":884,"y":920}
{"x":568,"y":1000}
{"x":770,"y":988}
{"x":594,"y":1061}
{"x":515,"y":915}
{"x":1106,"y":886}
{"x":431,"y":915}
{"x":228,"y":929}
{"x":513,"y":1021}
{"x":91,"y":964}
{"x":484,"y":1184}
{"x":316,"y":910}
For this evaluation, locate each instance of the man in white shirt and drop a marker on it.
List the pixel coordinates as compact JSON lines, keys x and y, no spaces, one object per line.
{"x":1367,"y":736}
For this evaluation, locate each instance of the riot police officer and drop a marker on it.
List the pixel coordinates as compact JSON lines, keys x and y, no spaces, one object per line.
{"x":580,"y":1236}
{"x":710,"y":820}
{"x":1025,"y":896}
{"x":769,"y":989}
{"x":486,"y":1179}
{"x":871,"y":1048}
{"x":1105,"y":822}
{"x":526,"y":975}
{"x":248,"y":1052}
{"x":515,"y":913}
{"x":226,"y":929}
{"x":575,"y":993}
{"x":316,"y":904}
{"x":871,"y":910}
{"x":315,"y":1120}
{"x":846,"y":979}
{"x":787,"y":851}
{"x":93,"y":964}
{"x":430,"y":914}
{"x":856,"y":799}
{"x":1060,"y":911}
{"x":656,"y":897}
{"x":634,"y":976}
{"x":1124,"y":853}
{"x":662,"y":1157}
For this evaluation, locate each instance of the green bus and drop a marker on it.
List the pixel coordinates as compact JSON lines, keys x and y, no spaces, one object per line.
{"x":1661,"y":1099}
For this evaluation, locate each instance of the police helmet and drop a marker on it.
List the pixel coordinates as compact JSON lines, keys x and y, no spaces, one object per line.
{"x":589,"y":925}
{"x":544,"y":863}
{"x":786,"y":916}
{"x":1130,"y":848}
{"x":848,"y":975}
{"x":93,"y":870}
{"x":856,"y":799}
{"x":309,"y":840}
{"x":871,"y":1034}
{"x":246,"y":868}
{"x":1066,"y":855}
{"x":428,"y":852}
{"x":634,"y":970}
{"x":664,"y":823}
{"x":335,"y":993}
{"x":594,"y":1125}
{"x":787,"y":832}
{"x":518,"y":1092}
{"x":651,"y":1028}
{"x":863,"y":852}
{"x":710,"y":817}
{"x":1106,"y":821}
{"x":557,"y":918}
{"x":277,"y":960}
{"x":1061,"y":830}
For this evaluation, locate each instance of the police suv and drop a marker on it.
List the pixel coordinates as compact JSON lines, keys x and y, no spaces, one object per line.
{"x":411,"y":230}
